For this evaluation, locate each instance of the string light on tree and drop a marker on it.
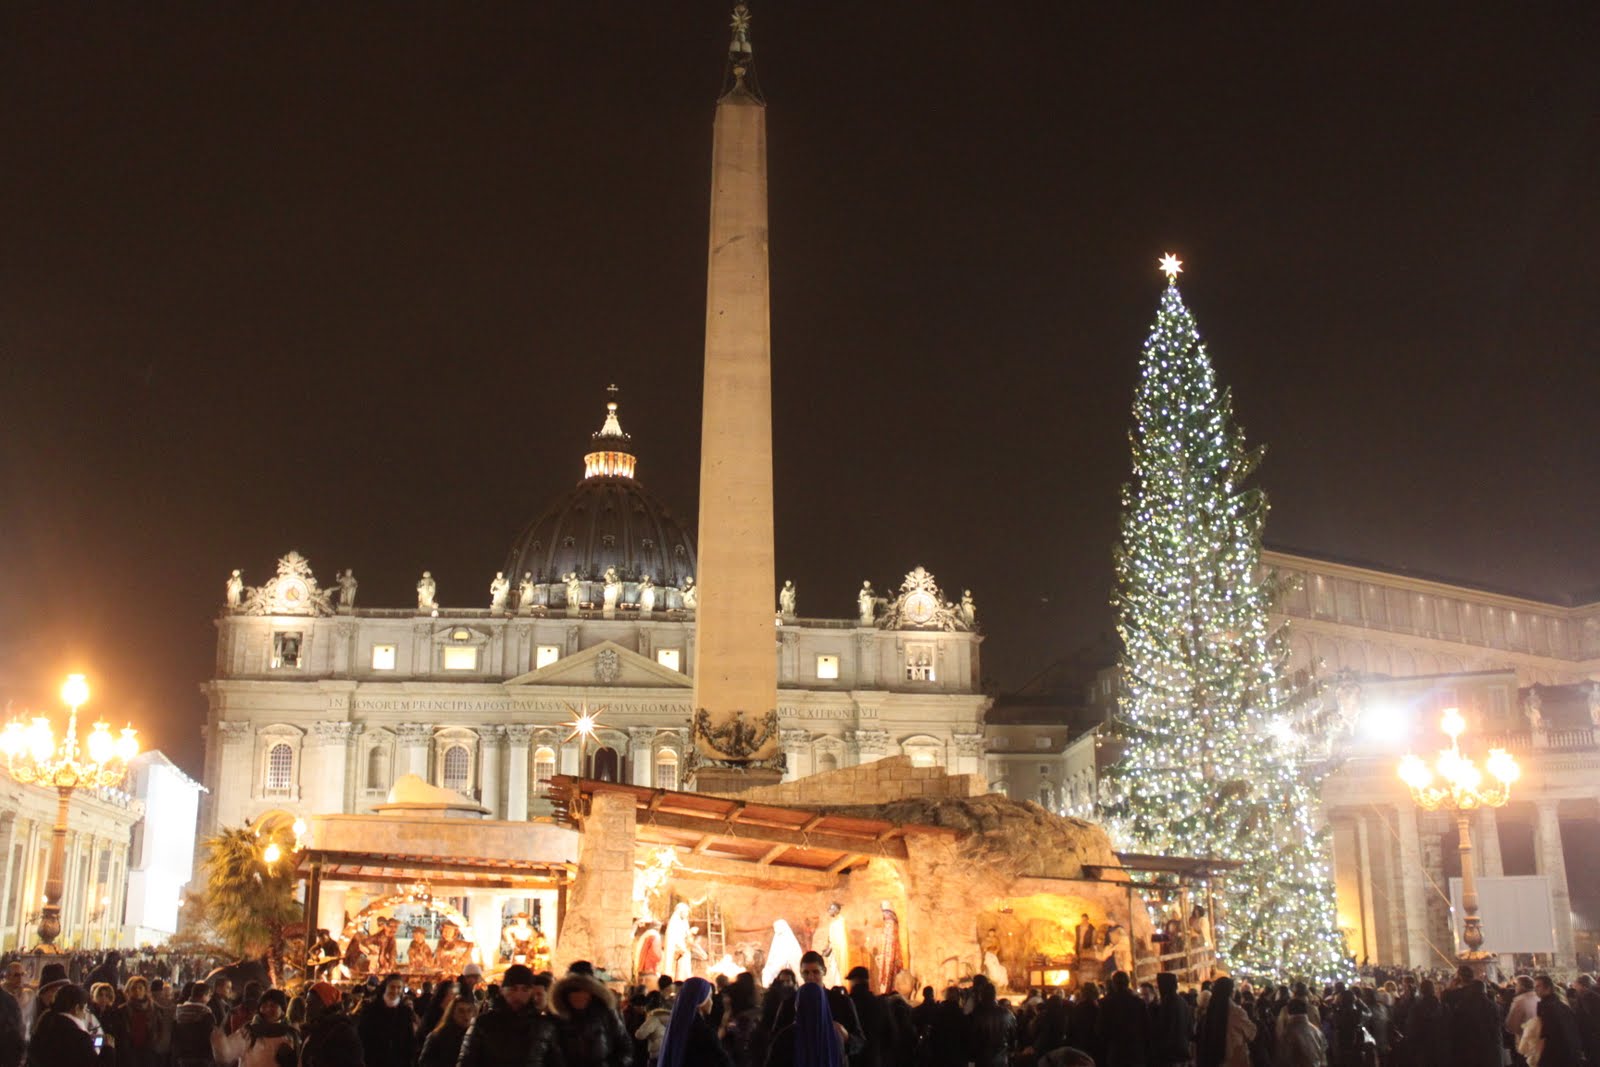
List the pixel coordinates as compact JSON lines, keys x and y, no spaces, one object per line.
{"x":1210,"y":763}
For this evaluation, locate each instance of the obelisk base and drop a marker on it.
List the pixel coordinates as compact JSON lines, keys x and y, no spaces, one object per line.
{"x":731,"y":780}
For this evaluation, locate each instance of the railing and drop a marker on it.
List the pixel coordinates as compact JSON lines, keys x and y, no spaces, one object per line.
{"x":1579,"y":739}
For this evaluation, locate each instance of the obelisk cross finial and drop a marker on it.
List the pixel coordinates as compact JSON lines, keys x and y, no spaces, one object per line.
{"x":740,"y":45}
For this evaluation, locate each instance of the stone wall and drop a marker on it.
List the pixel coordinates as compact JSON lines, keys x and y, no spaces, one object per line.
{"x":599,"y":919}
{"x":879,"y":782}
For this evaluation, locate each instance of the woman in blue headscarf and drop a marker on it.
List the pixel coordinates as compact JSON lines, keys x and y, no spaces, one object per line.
{"x":691,"y":1040}
{"x":813,"y":1039}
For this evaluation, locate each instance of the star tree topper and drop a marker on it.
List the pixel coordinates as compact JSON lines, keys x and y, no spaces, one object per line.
{"x":1171,"y":266}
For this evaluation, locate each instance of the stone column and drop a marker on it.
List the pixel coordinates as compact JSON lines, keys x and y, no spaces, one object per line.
{"x":1369,"y":910}
{"x":322,"y":776}
{"x":871,"y":745}
{"x":641,"y":757}
{"x":8,"y":834}
{"x":968,"y":754}
{"x":517,"y":738}
{"x":796,"y":753}
{"x":491,"y":740}
{"x":1553,"y":865}
{"x":412,"y":742}
{"x":1486,"y":843}
{"x":237,"y":777}
{"x":1411,"y":888}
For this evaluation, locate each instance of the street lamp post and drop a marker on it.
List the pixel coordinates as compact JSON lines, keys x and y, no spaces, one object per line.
{"x":34,"y":758}
{"x":1456,"y":784}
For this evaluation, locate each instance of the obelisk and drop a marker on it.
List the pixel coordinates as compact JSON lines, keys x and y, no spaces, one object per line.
{"x":735,"y":658}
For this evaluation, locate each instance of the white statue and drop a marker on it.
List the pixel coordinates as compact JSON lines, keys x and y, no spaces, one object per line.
{"x":574,"y":592}
{"x":867,"y":601}
{"x":784,"y":955}
{"x":647,"y":595}
{"x":499,"y":590}
{"x":832,"y":942}
{"x":235,"y":589}
{"x":1535,"y":710}
{"x":675,"y":959}
{"x":691,"y":596}
{"x":347,"y":590}
{"x":787,"y":599}
{"x":1594,"y":703}
{"x":426,"y":590}
{"x":612,"y":591}
{"x":968,"y":610}
{"x":525,"y":593}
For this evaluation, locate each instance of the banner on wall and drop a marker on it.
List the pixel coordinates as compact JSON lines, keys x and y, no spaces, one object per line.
{"x":1516,"y":913}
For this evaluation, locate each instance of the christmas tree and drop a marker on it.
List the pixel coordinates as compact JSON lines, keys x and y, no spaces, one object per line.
{"x":1209,"y":765}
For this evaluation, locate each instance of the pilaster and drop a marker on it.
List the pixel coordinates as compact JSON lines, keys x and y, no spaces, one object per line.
{"x":412,"y":743}
{"x":1411,"y":888}
{"x":517,"y":737}
{"x":1552,"y":862}
{"x":491,"y":751}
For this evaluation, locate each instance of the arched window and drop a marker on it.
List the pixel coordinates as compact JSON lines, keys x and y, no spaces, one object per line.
{"x":544,"y":769}
{"x":457,"y":768}
{"x":607,"y":766}
{"x":280,"y":768}
{"x":827,"y":761}
{"x":377,"y":768}
{"x":666,"y":769}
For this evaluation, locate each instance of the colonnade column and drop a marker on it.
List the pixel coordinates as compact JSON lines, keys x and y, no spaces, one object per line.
{"x":517,"y":737}
{"x":641,"y":763}
{"x":411,"y":749}
{"x":327,"y":758}
{"x":1416,"y":907}
{"x":1553,"y":865}
{"x":490,"y":742}
{"x":1369,"y":906}
{"x":1486,"y":842}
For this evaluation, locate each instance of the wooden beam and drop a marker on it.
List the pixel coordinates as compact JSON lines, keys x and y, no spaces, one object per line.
{"x":894,"y":848}
{"x":393,"y":862}
{"x":701,"y":845}
{"x":745,"y":872}
{"x":813,"y":822}
{"x":773,"y":853}
{"x":848,"y":860}
{"x":451,"y":883}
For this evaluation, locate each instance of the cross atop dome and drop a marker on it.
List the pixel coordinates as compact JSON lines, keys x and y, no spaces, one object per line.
{"x":740,"y":79}
{"x":611,"y":456}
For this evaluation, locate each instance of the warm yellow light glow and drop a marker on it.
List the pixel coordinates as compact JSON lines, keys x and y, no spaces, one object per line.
{"x":299,"y":828}
{"x":102,"y":746}
{"x":128,"y":744}
{"x":75,"y":691}
{"x":41,"y":740}
{"x":14,"y":739}
{"x":1452,"y":723}
{"x":271,"y":853}
{"x":1171,"y":266}
{"x":1502,"y":766}
{"x":1415,"y":773}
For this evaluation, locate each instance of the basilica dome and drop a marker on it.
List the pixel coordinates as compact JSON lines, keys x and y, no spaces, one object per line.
{"x":607,"y":521}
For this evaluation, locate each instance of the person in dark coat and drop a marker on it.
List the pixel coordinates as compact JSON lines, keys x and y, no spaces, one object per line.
{"x":388,"y":1026}
{"x":442,"y":1047}
{"x":331,"y":1039}
{"x":1558,"y":1025}
{"x":1586,"y":1005}
{"x":514,"y":1032}
{"x":991,"y":1029}
{"x":146,"y":1027}
{"x":1124,"y":1025}
{"x":1083,"y":1021}
{"x":876,"y":1024}
{"x":946,"y":1042}
{"x":589,"y":1031}
{"x":841,"y":1009}
{"x":1472,"y":1021}
{"x":1427,"y":1042}
{"x":1171,"y":1024}
{"x":61,"y":1035}
{"x":13,"y":1031}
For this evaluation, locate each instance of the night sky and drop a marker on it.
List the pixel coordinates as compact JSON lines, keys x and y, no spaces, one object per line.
{"x":352,"y":278}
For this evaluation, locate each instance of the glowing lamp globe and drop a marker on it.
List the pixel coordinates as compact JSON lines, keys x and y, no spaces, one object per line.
{"x":128,"y":744}
{"x":272,"y":852}
{"x":102,"y":746}
{"x":75,"y":691}
{"x":1502,"y":766}
{"x":41,"y":740}
{"x":1415,"y":773}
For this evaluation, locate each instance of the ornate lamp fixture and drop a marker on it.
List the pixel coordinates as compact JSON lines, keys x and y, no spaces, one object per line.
{"x":1456,"y":784}
{"x":34,"y":758}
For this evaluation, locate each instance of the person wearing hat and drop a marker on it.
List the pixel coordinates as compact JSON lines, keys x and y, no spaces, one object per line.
{"x":331,"y":1039}
{"x":61,"y":1036}
{"x":513,"y":1032}
{"x":267,"y":1039}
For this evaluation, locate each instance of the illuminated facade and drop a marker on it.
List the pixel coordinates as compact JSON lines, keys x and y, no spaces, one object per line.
{"x":318,"y":708}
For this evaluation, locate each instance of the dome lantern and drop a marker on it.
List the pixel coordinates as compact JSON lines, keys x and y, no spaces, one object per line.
{"x":611,"y":455}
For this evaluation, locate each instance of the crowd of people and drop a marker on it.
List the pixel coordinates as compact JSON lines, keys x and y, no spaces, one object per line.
{"x":539,"y":1020}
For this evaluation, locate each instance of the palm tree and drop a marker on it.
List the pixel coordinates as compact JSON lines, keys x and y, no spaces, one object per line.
{"x":249,"y":901}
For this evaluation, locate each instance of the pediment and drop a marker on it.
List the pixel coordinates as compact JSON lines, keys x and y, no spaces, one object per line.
{"x":607,"y":664}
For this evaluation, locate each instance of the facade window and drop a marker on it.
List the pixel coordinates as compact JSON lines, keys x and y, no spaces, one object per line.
{"x":919,"y":663}
{"x":669,"y":658}
{"x":383,"y":657}
{"x":827,"y":761}
{"x":377,"y":768}
{"x":460,"y":658}
{"x":286,"y":650}
{"x":280,"y":768}
{"x":827,"y":667}
{"x":544,"y":769}
{"x":545,"y":655}
{"x":1042,"y":741}
{"x":607,"y":765}
{"x":666,"y":769}
{"x":457,"y":768}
